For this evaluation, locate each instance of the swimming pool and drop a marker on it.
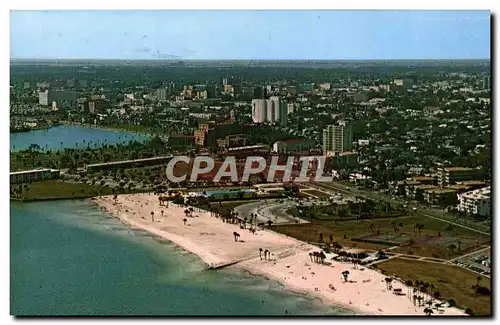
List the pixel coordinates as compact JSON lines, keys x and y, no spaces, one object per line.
{"x":221,"y":193}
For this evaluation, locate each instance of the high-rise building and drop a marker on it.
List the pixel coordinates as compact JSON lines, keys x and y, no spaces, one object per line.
{"x":224,"y":82}
{"x":70,"y":83}
{"x":43,"y":98}
{"x":337,"y":139}
{"x":161,"y":94}
{"x":272,"y":110}
{"x":259,"y":110}
{"x":279,"y":110}
{"x":486,"y":82}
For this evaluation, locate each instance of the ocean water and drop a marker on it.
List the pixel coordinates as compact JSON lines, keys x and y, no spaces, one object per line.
{"x":70,"y":136}
{"x":70,"y":258}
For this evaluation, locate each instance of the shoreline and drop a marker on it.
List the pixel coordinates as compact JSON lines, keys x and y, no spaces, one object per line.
{"x":289,"y":261}
{"x":105,"y":128}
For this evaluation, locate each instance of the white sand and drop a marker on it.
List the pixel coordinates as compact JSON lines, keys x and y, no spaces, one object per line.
{"x":290,"y":264}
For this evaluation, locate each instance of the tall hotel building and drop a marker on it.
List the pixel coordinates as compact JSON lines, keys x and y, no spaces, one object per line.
{"x":337,"y":139}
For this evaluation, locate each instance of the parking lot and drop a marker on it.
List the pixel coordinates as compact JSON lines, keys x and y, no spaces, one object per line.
{"x":474,"y":262}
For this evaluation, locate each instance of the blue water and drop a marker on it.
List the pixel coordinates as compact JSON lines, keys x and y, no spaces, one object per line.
{"x":69,"y":258}
{"x":69,"y":137}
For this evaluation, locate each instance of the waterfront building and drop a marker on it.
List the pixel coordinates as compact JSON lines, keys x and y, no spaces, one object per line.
{"x":43,"y":98}
{"x":35,"y":175}
{"x":476,"y":202}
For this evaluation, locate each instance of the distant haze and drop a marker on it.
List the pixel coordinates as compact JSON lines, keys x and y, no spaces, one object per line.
{"x":250,"y":35}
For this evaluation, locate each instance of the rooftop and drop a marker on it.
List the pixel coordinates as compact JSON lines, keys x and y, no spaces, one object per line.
{"x":441,"y":190}
{"x":37,"y":170}
{"x":457,"y":169}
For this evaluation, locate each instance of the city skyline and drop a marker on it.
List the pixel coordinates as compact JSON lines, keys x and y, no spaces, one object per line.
{"x":259,"y":35}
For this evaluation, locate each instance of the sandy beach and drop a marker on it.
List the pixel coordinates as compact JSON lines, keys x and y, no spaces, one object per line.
{"x":289,"y":262}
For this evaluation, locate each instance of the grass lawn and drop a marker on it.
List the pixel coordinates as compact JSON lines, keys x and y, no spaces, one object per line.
{"x":352,"y":229}
{"x":225,"y":207}
{"x":451,"y":281}
{"x":54,"y":189}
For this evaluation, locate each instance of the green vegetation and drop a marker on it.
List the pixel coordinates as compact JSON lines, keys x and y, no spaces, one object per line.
{"x":36,"y":157}
{"x":452,"y":283}
{"x":56,"y":189}
{"x":434,"y":239}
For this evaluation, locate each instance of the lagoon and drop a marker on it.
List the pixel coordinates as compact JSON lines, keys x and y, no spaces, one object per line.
{"x":68,"y":136}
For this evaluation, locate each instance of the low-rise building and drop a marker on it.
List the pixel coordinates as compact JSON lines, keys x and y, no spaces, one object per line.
{"x":181,"y":141}
{"x":346,"y":159}
{"x":425,"y":180}
{"x":446,"y":196}
{"x":452,"y":175}
{"x":417,"y":192}
{"x":476,"y":202}
{"x":231,"y":141}
{"x":28,"y":176}
{"x":293,"y":145}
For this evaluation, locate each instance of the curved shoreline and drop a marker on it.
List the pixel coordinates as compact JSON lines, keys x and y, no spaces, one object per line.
{"x":289,"y":264}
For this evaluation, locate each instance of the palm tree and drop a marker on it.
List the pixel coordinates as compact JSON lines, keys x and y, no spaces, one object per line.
{"x":331,"y":238}
{"x":162,"y":213}
{"x":420,"y":227}
{"x":345,"y":274}
{"x":260,"y":253}
{"x":322,"y":256}
{"x":414,"y":300}
{"x":185,"y":220}
{"x":115,"y":198}
{"x":428,"y":311}
{"x":265,"y":254}
{"x":310,"y":256}
{"x":152,"y":216}
{"x":409,"y":286}
{"x":387,"y":282}
{"x":235,"y":234}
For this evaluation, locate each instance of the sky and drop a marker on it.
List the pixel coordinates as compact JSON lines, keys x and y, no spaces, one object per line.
{"x":250,"y":35}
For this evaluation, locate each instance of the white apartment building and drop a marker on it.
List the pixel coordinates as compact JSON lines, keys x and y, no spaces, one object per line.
{"x":43,"y":98}
{"x":476,"y":202}
{"x":259,"y":110}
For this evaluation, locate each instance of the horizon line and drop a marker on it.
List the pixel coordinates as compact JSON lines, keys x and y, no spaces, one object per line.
{"x":180,"y":59}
